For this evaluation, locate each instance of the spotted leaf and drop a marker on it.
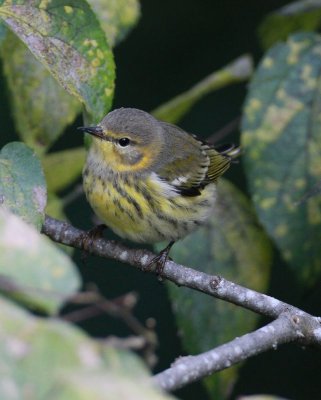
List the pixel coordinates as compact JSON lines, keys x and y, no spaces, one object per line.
{"x":117,"y":17}
{"x":69,"y":41}
{"x":34,"y":270}
{"x":22,"y":183}
{"x":282,"y":149}
{"x":294,"y":17}
{"x":41,"y":107}
{"x":48,"y":359}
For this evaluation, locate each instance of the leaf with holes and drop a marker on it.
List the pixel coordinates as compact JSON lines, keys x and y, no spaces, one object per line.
{"x":69,"y":41}
{"x":282,"y":150}
{"x":22,"y":183}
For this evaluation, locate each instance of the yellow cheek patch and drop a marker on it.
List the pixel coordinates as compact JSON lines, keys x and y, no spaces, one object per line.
{"x":144,"y":162}
{"x":134,"y":158}
{"x":117,"y":161}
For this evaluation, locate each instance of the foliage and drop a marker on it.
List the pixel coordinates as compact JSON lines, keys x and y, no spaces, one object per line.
{"x":35,"y":271}
{"x":50,"y":359}
{"x":294,"y":17}
{"x":282,"y":143}
{"x":23,"y":186}
{"x":58,"y":55}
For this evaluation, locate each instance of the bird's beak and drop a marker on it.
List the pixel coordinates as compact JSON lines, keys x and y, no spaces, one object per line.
{"x":93,"y":130}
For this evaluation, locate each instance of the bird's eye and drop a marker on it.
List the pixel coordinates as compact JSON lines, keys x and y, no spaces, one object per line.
{"x":123,"y":142}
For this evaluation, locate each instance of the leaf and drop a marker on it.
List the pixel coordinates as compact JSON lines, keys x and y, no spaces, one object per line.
{"x":22,"y":183}
{"x":3,"y":32}
{"x":104,"y":385}
{"x":282,"y":150}
{"x":175,"y":109}
{"x":117,"y":17}
{"x":41,"y":108}
{"x":293,"y":17}
{"x":47,"y":359}
{"x":55,"y":207}
{"x":260,"y":397}
{"x":63,"y":167}
{"x":38,"y":274}
{"x":314,"y":191}
{"x":68,"y":40}
{"x":225,"y":246}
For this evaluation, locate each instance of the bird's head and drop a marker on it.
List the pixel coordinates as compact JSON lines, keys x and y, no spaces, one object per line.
{"x":127,"y":139}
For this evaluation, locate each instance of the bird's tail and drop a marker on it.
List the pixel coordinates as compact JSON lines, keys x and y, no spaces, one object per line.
{"x":221,"y":158}
{"x":229,"y":150}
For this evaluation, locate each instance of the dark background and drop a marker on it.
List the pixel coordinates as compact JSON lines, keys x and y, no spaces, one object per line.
{"x":177,"y":43}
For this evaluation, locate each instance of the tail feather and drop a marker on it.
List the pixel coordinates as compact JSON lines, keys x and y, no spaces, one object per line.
{"x":220,"y":160}
{"x":230,"y":150}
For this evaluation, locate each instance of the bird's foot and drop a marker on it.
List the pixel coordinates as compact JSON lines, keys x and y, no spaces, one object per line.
{"x":89,"y":237}
{"x":159,"y":261}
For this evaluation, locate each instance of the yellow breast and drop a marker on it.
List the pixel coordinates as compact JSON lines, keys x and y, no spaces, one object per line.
{"x":145,"y":210}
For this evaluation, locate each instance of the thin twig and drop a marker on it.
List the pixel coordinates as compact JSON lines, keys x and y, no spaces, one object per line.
{"x":73,"y":195}
{"x":286,"y":328}
{"x":238,"y":70}
{"x":118,"y":308}
{"x":225,"y":131}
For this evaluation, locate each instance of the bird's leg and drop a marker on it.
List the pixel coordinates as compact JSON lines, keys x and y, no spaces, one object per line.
{"x":160,"y":260}
{"x":89,"y":237}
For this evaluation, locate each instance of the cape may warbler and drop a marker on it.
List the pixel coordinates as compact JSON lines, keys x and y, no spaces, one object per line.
{"x":149,"y":180}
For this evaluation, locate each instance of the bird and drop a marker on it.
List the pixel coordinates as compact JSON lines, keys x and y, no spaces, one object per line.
{"x":150,"y":181}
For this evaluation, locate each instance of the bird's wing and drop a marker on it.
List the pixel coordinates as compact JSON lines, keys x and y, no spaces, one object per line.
{"x":190,"y":164}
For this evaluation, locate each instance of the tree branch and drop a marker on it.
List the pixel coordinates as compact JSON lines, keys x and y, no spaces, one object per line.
{"x":286,"y":328}
{"x":291,"y":323}
{"x":213,"y":285}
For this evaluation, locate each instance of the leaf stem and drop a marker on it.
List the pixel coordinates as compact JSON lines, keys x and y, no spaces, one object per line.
{"x":237,"y":71}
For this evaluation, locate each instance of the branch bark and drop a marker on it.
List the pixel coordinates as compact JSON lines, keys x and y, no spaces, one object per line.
{"x":213,"y":285}
{"x":291,"y":324}
{"x":288,"y":327}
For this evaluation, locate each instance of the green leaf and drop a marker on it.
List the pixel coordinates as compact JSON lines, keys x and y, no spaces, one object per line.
{"x":63,"y":167}
{"x":294,"y":17}
{"x":3,"y":32}
{"x":261,"y":397}
{"x":117,"y":17}
{"x":22,"y":183}
{"x":47,"y":359}
{"x":41,"y":107}
{"x":225,"y":246}
{"x":38,"y":274}
{"x":68,"y":40}
{"x":282,"y":149}
{"x":55,"y":207}
{"x":103,"y":385}
{"x":175,"y":109}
